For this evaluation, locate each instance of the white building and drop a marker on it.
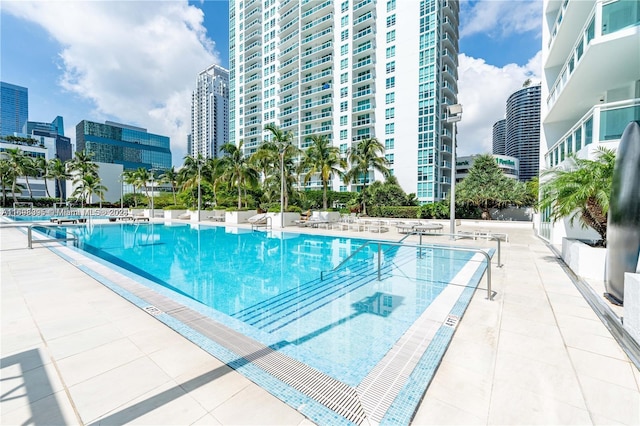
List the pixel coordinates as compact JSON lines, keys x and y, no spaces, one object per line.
{"x":510,"y":166}
{"x":42,"y":147}
{"x":350,"y":70}
{"x":210,"y":112}
{"x":110,"y":175}
{"x":590,"y":84}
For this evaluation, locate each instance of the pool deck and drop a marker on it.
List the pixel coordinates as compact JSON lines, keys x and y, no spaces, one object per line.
{"x":74,"y":352}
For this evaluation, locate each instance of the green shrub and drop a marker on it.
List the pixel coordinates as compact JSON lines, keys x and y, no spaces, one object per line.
{"x":393,"y":211}
{"x":175,"y":207}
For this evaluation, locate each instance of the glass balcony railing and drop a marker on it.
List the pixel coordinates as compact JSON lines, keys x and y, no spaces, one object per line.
{"x":324,"y":45}
{"x":602,"y":123}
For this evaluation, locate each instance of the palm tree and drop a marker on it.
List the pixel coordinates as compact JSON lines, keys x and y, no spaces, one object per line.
{"x":212,"y":170}
{"x":366,"y":156}
{"x":58,"y":172}
{"x":324,"y":160}
{"x":17,"y":168}
{"x":281,"y":143}
{"x":42,"y":169}
{"x":580,"y":191}
{"x":237,"y":169}
{"x":82,"y":164}
{"x":170,"y":176}
{"x":129,"y":177}
{"x":190,"y":175}
{"x":5,"y":178}
{"x":141,"y":177}
{"x":87,"y":186}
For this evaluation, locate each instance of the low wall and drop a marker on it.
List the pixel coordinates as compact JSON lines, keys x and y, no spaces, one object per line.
{"x":584,"y":260}
{"x":632,"y":305}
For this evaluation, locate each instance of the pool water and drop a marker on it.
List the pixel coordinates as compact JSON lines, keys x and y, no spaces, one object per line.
{"x":267,"y":285}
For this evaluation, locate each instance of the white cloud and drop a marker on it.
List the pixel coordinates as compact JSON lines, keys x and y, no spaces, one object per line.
{"x":483,"y":92}
{"x":136,"y":61}
{"x":500,"y":18}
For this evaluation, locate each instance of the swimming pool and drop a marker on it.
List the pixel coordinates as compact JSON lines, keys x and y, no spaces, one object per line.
{"x":267,"y":286}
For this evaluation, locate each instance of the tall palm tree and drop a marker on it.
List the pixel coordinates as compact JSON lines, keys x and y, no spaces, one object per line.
{"x":282,"y":143}
{"x":366,"y":156}
{"x":83,"y":164}
{"x":17,"y":168}
{"x":42,"y":169}
{"x":129,"y":177}
{"x":5,"y":178}
{"x":170,"y":176}
{"x":212,"y":171}
{"x":322,"y":159}
{"x":580,"y":191}
{"x":237,"y":169}
{"x":58,"y":172}
{"x":141,"y":177}
{"x":190,"y":175}
{"x":87,"y":186}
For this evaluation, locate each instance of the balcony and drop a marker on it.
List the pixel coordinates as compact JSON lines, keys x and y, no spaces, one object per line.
{"x":362,"y":63}
{"x":325,"y":101}
{"x":314,"y":64}
{"x":363,"y":122}
{"x":287,"y":124}
{"x":313,"y":77}
{"x":363,"y":33}
{"x":361,"y":93}
{"x":253,"y":78}
{"x":289,"y":26}
{"x":287,"y":112}
{"x":362,"y":50}
{"x":361,"y":78}
{"x":364,"y":5}
{"x":322,"y":34}
{"x":363,"y":107}
{"x":363,"y":19}
{"x":603,"y":123}
{"x":360,"y":137}
{"x":322,"y":88}
{"x":288,"y":75}
{"x":291,"y":50}
{"x":322,"y":129}
{"x":314,"y":117}
{"x":288,"y":63}
{"x":316,"y":9}
{"x":318,"y":23}
{"x":317,"y":49}
{"x":252,"y":47}
{"x":287,"y":99}
{"x":289,"y":86}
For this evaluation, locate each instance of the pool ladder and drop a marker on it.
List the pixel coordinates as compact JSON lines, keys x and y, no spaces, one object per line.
{"x":419,"y":246}
{"x":31,"y":241}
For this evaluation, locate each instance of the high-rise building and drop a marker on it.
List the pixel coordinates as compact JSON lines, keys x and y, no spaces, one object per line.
{"x":523,"y":130}
{"x":130,"y":146}
{"x":590,"y":85}
{"x":51,"y":135}
{"x":350,"y":70}
{"x":14,"y":108}
{"x":500,"y":137}
{"x":210,"y":112}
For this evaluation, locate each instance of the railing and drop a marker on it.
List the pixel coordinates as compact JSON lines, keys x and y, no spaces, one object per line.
{"x":31,"y":241}
{"x":419,"y":246}
{"x":428,"y":233}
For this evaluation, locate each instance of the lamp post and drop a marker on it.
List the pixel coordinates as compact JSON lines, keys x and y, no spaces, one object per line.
{"x":454,"y":114}
{"x":152,"y":209}
{"x":122,"y":190}
{"x":199,"y":192}
{"x":282,"y":188}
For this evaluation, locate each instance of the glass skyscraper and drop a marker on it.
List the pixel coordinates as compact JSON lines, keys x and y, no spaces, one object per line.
{"x":14,"y":108}
{"x":210,"y":112}
{"x":523,"y":130}
{"x":350,"y":70}
{"x":500,"y":137}
{"x":131,"y":146}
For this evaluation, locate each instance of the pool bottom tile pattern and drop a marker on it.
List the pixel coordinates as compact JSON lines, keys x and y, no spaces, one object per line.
{"x":389,"y":394}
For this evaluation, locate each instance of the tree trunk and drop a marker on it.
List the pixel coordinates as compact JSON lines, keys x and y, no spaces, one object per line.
{"x":28,"y":187}
{"x":59,"y":182}
{"x":324,"y":195}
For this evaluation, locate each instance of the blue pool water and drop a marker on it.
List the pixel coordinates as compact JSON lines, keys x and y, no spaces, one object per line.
{"x":267,"y":285}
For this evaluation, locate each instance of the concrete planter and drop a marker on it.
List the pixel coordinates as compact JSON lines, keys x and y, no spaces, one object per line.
{"x":632,"y":305}
{"x":329,"y":216}
{"x":239,"y":216}
{"x":289,"y":219}
{"x":584,"y":260}
{"x":173,"y":214}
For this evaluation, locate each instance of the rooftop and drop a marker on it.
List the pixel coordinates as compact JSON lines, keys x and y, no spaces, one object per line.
{"x":75,"y":352}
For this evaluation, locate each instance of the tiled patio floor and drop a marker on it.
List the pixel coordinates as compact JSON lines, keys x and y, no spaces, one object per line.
{"x":74,"y":352}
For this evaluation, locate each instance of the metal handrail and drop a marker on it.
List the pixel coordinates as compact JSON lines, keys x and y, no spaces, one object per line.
{"x":420,"y":246}
{"x":421,"y":233}
{"x":31,"y":241}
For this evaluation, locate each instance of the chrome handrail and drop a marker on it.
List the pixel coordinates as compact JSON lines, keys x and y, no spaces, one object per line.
{"x":420,"y":246}
{"x":31,"y":241}
{"x":493,"y":237}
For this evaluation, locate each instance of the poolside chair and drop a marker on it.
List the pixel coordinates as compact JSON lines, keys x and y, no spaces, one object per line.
{"x":184,"y":216}
{"x":216,"y":218}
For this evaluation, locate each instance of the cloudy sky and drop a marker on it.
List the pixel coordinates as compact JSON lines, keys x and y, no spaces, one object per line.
{"x":135,"y":62}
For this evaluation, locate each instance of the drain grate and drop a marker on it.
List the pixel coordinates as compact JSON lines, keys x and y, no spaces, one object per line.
{"x":152,"y":310}
{"x":451,"y":321}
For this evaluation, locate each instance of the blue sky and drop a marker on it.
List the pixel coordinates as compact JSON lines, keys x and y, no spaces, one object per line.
{"x":136,"y":61}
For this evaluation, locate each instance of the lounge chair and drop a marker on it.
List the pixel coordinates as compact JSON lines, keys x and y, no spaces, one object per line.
{"x":185,"y":216}
{"x":216,"y":218}
{"x":428,"y":227}
{"x":259,"y":221}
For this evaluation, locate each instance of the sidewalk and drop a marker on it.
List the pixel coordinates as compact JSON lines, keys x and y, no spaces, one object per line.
{"x":73,"y":352}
